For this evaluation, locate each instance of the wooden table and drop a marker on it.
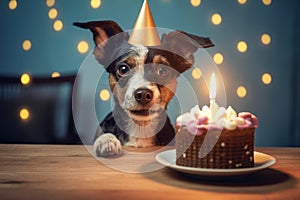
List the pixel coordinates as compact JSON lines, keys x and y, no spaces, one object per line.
{"x":70,"y":172}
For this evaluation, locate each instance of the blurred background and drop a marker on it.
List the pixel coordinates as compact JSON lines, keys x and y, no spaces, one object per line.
{"x":257,"y":53}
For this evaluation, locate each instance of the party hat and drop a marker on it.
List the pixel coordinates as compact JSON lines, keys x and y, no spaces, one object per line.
{"x":144,"y":31}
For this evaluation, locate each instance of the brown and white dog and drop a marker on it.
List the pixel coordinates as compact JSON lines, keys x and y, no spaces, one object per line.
{"x":143,"y":81}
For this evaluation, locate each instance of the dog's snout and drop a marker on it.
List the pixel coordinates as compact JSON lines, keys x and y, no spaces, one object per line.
{"x":143,"y":95}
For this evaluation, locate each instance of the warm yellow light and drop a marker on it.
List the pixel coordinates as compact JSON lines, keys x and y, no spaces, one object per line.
{"x":266,"y":78}
{"x":213,"y":87}
{"x":216,"y":19}
{"x":50,"y":3}
{"x":242,"y":46}
{"x":25,"y":79}
{"x":104,"y":95}
{"x":196,"y":73}
{"x":267,"y":2}
{"x":82,"y":47}
{"x":55,"y":74}
{"x":241,"y":91}
{"x":52,"y":13}
{"x":95,"y":3}
{"x":24,"y":114}
{"x":195,"y":3}
{"x":12,"y":4}
{"x":242,"y":2}
{"x":218,"y":58}
{"x":58,"y":25}
{"x":265,"y":39}
{"x":26,"y":45}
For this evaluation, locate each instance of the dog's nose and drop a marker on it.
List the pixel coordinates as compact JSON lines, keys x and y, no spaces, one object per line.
{"x":143,"y":95}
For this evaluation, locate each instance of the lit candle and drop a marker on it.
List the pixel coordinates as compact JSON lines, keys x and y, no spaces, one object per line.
{"x":213,"y":87}
{"x":212,"y":95}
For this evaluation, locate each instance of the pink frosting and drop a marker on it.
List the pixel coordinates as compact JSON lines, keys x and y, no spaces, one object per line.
{"x":250,"y":120}
{"x":199,"y":125}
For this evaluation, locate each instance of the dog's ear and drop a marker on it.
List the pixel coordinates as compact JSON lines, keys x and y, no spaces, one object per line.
{"x":102,"y":31}
{"x":184,"y":45}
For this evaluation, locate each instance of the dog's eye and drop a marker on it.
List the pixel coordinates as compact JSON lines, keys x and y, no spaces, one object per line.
{"x":163,"y":71}
{"x":123,"y":70}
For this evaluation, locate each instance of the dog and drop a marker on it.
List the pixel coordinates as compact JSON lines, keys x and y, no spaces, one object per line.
{"x":143,"y":81}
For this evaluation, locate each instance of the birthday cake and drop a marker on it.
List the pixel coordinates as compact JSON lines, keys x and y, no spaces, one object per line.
{"x":219,"y":139}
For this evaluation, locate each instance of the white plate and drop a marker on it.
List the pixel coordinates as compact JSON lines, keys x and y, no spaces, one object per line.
{"x":261,"y":161}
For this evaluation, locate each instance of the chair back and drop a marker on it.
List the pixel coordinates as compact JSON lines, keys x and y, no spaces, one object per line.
{"x":40,"y":112}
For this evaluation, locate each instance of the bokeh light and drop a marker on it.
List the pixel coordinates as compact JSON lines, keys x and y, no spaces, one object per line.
{"x":26,"y":45}
{"x":55,"y":74}
{"x":24,"y":114}
{"x":241,"y":91}
{"x":196,"y":73}
{"x":216,"y":19}
{"x":58,"y":25}
{"x":218,"y":58}
{"x":25,"y":79}
{"x":266,"y":78}
{"x":52,"y":13}
{"x":82,"y":47}
{"x":95,"y":3}
{"x":104,"y":95}
{"x":12,"y":4}
{"x":265,"y":39}
{"x":242,"y":2}
{"x":50,"y":3}
{"x":242,"y":46}
{"x":195,"y":3}
{"x":267,"y":2}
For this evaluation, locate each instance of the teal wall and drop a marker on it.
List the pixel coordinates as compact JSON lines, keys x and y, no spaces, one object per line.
{"x":277,"y":105}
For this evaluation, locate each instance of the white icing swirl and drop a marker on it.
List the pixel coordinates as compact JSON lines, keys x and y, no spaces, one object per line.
{"x":199,"y":120}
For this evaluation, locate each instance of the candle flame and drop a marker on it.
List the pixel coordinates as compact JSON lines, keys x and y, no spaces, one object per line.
{"x":213,"y":87}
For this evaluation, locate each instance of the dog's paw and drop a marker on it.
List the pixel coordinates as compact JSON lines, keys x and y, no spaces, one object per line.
{"x":107,"y":145}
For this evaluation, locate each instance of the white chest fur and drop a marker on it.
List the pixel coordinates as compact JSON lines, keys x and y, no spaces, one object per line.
{"x":141,"y":142}
{"x":142,"y":134}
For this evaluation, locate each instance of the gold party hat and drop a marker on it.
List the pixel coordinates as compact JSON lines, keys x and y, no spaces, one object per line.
{"x":144,"y":31}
